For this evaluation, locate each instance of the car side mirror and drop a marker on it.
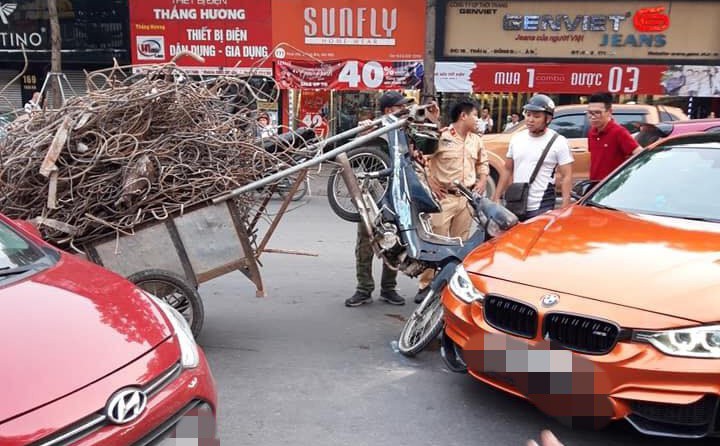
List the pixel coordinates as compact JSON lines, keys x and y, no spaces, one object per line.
{"x":581,"y":188}
{"x":29,"y":227}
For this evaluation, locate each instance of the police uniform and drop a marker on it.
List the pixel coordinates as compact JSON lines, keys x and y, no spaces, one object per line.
{"x":455,"y":160}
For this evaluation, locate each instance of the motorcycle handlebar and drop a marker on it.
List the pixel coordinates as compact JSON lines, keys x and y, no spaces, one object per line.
{"x":464,"y":190}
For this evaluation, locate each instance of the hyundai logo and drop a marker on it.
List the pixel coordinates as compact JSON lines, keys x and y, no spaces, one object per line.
{"x":548,"y":300}
{"x":126,"y":405}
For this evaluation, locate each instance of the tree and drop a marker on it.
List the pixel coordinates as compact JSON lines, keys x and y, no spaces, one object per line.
{"x":55,"y":56}
{"x":428,"y":91}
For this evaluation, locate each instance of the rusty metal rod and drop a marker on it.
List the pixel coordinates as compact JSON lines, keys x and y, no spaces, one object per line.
{"x":387,"y":127}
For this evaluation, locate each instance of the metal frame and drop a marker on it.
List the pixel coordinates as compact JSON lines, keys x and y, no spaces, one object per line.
{"x":247,"y":261}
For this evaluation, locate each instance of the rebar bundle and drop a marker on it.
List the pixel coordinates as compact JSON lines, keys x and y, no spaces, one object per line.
{"x":134,"y":149}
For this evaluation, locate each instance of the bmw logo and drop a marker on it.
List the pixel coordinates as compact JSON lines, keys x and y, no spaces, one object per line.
{"x":548,"y":300}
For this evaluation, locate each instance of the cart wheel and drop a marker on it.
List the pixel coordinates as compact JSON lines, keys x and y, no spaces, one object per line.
{"x":176,"y":292}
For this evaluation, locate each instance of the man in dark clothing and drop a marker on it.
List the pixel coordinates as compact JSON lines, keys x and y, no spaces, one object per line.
{"x":389,"y":102}
{"x":609,"y":143}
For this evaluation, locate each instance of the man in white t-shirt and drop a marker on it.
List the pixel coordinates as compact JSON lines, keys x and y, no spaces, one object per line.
{"x":524,"y":152}
{"x":485,"y":122}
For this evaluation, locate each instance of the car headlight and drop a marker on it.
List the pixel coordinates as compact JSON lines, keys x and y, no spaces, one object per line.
{"x":189,"y":355}
{"x":694,"y":342}
{"x":462,"y":287}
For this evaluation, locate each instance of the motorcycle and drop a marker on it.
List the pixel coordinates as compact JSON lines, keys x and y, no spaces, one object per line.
{"x":400,"y":229}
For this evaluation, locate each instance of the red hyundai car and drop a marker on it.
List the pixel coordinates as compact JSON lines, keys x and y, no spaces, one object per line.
{"x":88,"y":358}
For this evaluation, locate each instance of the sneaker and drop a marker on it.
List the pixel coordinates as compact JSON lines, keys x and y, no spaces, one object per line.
{"x":421,"y":294}
{"x":392,"y":297}
{"x":357,"y":299}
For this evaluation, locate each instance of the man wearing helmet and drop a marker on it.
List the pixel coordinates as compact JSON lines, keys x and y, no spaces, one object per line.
{"x":523,"y":157}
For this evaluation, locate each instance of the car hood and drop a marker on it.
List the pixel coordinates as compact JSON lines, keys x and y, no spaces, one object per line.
{"x":69,"y":326}
{"x":497,"y":138}
{"x":665,"y":265}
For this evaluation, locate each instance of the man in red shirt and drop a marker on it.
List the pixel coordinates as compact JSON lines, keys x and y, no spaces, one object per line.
{"x":609,"y":143}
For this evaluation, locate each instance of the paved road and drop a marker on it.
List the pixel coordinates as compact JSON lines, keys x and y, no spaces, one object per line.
{"x":299,"y":368}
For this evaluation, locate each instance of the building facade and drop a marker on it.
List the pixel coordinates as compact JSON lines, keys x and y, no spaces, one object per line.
{"x":94,"y":32}
{"x":644,"y":51}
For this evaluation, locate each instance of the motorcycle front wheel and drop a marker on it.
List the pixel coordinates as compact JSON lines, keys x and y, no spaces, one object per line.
{"x":423,"y":325}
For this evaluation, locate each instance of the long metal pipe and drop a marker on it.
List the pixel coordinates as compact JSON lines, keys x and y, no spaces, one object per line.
{"x":412,"y":111}
{"x":357,"y":142}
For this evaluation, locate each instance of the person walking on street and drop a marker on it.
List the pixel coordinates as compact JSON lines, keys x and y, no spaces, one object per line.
{"x":609,"y":143}
{"x":461,"y":157}
{"x":536,"y":153}
{"x":390,"y":102}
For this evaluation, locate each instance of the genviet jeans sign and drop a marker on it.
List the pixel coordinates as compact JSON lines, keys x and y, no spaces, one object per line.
{"x":631,"y":30}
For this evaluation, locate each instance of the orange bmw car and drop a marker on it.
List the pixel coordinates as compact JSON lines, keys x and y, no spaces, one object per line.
{"x":608,"y":309}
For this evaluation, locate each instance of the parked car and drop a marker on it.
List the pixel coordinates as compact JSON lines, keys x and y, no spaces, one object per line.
{"x":649,"y":133}
{"x":571,"y":122}
{"x":89,"y":358}
{"x":607,"y":309}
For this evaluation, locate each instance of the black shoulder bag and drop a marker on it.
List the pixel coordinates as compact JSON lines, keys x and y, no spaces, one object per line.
{"x":516,"y":195}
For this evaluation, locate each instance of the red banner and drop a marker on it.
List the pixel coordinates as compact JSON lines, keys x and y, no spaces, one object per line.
{"x":344,"y":29}
{"x":549,"y":78}
{"x":314,"y":109}
{"x":226,"y":33}
{"x":349,"y":75}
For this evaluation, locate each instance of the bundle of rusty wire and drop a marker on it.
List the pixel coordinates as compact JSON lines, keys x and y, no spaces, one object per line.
{"x":134,"y":149}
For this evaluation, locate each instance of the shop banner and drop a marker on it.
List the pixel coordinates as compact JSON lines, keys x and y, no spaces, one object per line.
{"x":343,"y":29}
{"x":231,"y":35}
{"x":550,"y":78}
{"x":314,"y":110}
{"x":630,"y":30}
{"x":349,"y":75}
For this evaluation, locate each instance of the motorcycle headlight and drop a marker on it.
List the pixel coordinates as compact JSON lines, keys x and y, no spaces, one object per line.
{"x":189,"y":355}
{"x":463,"y":288}
{"x":694,"y":342}
{"x":493,"y":229}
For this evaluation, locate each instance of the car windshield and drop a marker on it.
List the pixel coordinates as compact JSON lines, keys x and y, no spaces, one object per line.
{"x":680,"y":181}
{"x":15,"y":251}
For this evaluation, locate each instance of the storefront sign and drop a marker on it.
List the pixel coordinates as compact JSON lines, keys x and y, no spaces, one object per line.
{"x":314,"y":110}
{"x":228,"y":34}
{"x":17,"y":32}
{"x":342,"y":29}
{"x":90,"y":33}
{"x":649,"y":30}
{"x":349,"y":75}
{"x":549,"y":78}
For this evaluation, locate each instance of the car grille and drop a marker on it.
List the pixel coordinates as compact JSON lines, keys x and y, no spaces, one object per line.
{"x":96,"y":421}
{"x":196,"y":421}
{"x":677,"y":420}
{"x":581,"y":334}
{"x":510,"y":316}
{"x":695,"y":414}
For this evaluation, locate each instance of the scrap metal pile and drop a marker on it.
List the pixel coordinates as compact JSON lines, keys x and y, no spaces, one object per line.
{"x":134,"y":149}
